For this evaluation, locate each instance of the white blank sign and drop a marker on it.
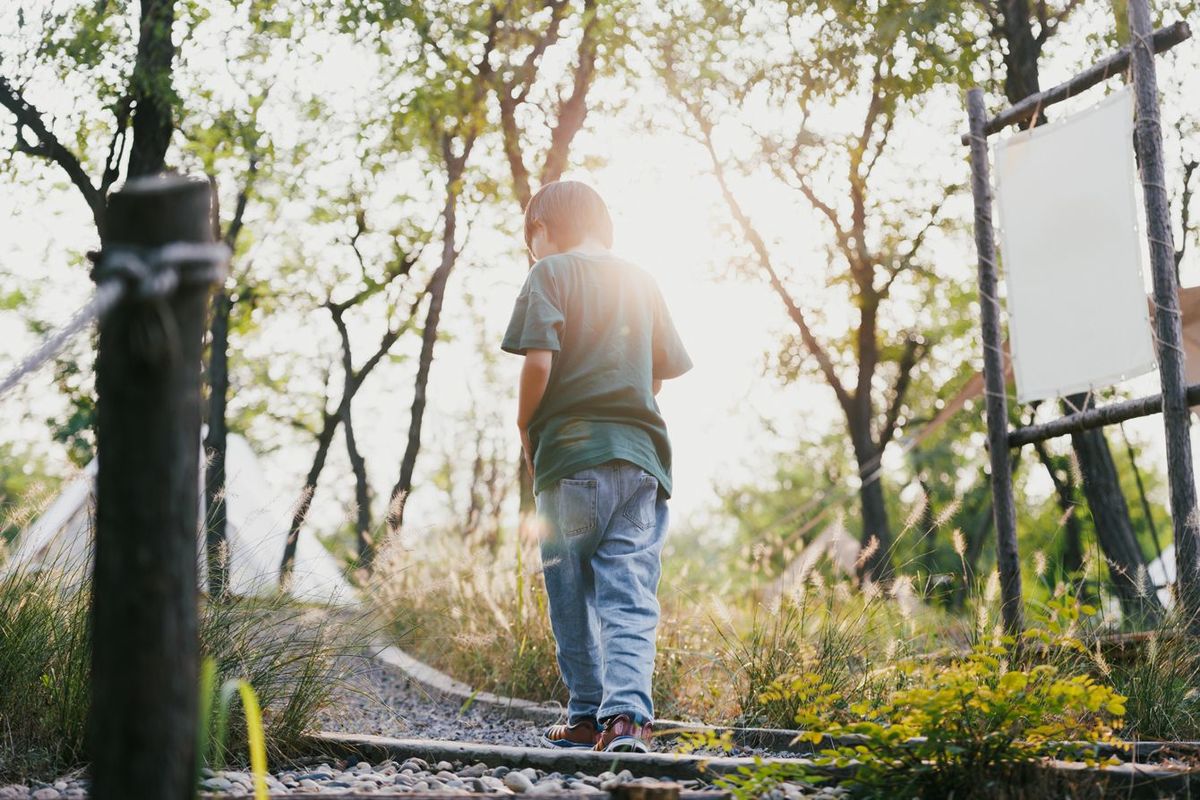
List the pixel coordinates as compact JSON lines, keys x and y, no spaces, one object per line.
{"x":1077,"y":313}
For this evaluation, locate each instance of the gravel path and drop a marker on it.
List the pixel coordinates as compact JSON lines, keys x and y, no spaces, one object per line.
{"x":379,"y":699}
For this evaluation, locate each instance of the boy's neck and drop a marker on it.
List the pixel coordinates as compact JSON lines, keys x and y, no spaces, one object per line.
{"x":589,"y":247}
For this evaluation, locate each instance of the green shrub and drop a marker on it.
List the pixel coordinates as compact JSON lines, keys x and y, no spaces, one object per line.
{"x":966,"y":728}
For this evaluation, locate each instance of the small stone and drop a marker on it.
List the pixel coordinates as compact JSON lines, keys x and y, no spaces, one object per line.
{"x":313,"y":776}
{"x":310,"y":784}
{"x":444,"y":765}
{"x":624,"y":776}
{"x":421,"y":786}
{"x":473,"y":771}
{"x":416,"y":764}
{"x":363,"y":786}
{"x":217,"y":784}
{"x":500,"y":771}
{"x":446,"y":775}
{"x":336,"y":785}
{"x":492,"y":784}
{"x":205,"y":772}
{"x":547,"y":787}
{"x":606,"y":776}
{"x":46,"y":793}
{"x":518,"y":782}
{"x":531,"y":773}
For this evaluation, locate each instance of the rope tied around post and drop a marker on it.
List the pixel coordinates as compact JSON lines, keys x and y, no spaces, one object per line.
{"x":126,"y":272}
{"x":154,"y":272}
{"x":150,"y":275}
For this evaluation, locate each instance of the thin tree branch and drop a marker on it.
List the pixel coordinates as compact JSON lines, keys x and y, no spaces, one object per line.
{"x":764,"y":258}
{"x":49,"y":147}
{"x":573,"y":111}
{"x":913,"y":348}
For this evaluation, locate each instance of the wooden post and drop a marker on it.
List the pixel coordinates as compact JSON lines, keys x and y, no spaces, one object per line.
{"x":1003,"y":505}
{"x":1167,"y":322}
{"x":142,"y":723}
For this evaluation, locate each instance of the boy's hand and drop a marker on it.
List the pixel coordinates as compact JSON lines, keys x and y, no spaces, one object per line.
{"x":527,"y":451}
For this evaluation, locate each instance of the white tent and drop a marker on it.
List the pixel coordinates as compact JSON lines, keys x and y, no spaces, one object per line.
{"x":257,"y":526}
{"x":1161,"y":572}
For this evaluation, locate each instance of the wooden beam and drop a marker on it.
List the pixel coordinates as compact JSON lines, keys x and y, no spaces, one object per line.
{"x":1095,"y":418}
{"x":1163,"y":39}
{"x":1168,"y":323}
{"x":1003,"y":504}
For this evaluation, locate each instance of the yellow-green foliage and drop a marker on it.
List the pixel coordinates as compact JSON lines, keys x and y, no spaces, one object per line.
{"x":958,"y":725}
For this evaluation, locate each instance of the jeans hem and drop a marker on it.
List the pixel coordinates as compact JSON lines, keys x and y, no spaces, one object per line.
{"x":632,"y":711}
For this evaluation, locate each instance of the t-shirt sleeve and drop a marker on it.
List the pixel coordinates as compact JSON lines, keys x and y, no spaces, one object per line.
{"x":670,"y":358}
{"x":537,"y":319}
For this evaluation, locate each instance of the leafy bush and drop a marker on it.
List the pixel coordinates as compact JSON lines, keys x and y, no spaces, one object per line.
{"x":961,"y":728}
{"x":286,"y":652}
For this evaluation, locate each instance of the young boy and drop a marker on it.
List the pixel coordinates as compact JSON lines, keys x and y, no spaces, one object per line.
{"x":598,"y":343}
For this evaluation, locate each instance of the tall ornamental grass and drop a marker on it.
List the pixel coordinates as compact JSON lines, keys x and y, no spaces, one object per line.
{"x":288,"y":653}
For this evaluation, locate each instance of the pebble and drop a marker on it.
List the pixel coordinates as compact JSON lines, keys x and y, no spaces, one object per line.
{"x":518,"y":782}
{"x":411,"y":776}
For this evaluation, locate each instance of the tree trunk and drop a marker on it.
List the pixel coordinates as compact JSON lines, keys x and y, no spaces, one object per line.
{"x":152,"y":89}
{"x":1065,"y":494}
{"x":1114,"y":529}
{"x":215,"y":522}
{"x":362,"y":494}
{"x":1022,"y":54}
{"x":876,"y":561}
{"x":324,"y":440}
{"x":437,"y":292}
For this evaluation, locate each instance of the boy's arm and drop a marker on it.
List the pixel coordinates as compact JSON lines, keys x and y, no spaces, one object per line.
{"x":535,"y":375}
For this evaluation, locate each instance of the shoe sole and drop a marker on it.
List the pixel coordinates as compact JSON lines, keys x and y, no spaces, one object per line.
{"x":626,"y":744}
{"x":565,"y":745}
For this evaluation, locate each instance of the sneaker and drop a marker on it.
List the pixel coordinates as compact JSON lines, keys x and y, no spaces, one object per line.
{"x":624,"y":735}
{"x":582,"y":734}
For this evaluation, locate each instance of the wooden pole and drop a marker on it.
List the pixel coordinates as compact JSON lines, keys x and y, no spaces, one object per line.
{"x":1167,"y":320}
{"x":1003,"y":505}
{"x":142,"y":723}
{"x":1163,"y":39}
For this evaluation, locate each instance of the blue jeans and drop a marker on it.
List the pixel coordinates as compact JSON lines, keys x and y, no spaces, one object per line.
{"x":602,"y":537}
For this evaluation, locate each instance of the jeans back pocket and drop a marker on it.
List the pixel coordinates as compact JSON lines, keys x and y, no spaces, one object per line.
{"x":577,"y":506}
{"x":640,"y":508}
